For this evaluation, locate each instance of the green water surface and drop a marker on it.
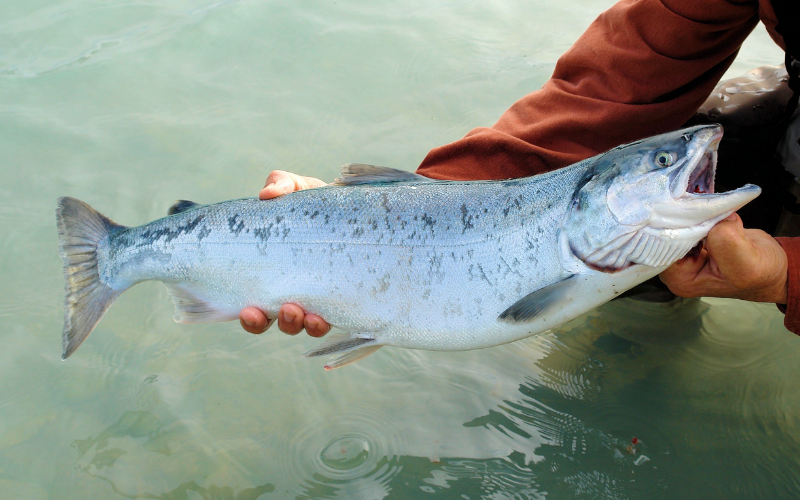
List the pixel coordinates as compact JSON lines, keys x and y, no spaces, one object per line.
{"x":130,"y":105}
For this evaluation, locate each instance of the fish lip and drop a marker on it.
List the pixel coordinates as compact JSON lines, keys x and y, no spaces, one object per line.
{"x":696,"y":176}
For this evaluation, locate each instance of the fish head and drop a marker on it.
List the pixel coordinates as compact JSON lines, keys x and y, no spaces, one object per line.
{"x":651,"y":201}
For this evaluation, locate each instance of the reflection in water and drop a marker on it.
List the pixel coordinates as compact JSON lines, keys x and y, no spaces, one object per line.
{"x":148,"y":432}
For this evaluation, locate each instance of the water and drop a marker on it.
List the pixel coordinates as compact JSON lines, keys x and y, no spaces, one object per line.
{"x":131,"y":105}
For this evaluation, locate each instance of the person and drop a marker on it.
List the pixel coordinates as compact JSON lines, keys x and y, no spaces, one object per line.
{"x":642,"y":68}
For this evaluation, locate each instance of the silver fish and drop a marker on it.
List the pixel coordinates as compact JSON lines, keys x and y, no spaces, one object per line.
{"x":393,"y":258}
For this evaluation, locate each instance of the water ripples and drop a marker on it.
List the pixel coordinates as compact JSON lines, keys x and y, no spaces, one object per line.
{"x":358,"y":462}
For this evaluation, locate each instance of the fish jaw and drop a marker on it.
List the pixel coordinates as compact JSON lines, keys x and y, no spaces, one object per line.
{"x":650,"y":202}
{"x":693,"y":204}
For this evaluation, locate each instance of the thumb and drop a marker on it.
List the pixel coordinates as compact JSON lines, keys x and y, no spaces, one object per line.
{"x":278,"y":183}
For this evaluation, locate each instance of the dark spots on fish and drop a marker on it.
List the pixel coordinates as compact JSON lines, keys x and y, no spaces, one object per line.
{"x":263,"y":233}
{"x":278,"y":219}
{"x":385,"y":203}
{"x":384,"y":284}
{"x":286,"y":231}
{"x":428,"y":221}
{"x":426,"y":294}
{"x":374,"y":224}
{"x":326,"y":218}
{"x":236,"y":224}
{"x":205,"y":231}
{"x":292,"y":209}
{"x":483,"y":275}
{"x":435,"y":266}
{"x":358,"y":231}
{"x":313,"y":215}
{"x":486,"y":210}
{"x":505,"y":211}
{"x":466,"y":219}
{"x":150,"y":236}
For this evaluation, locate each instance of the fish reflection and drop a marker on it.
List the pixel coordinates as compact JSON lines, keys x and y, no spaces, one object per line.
{"x":133,"y":439}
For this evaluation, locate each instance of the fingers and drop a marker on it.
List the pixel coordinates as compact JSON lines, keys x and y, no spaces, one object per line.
{"x":253,"y":320}
{"x":315,"y":325}
{"x":736,"y":262}
{"x":292,"y":319}
{"x":280,"y":182}
{"x":681,"y":276}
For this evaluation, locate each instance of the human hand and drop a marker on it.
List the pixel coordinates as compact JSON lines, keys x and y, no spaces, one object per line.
{"x":291,"y":317}
{"x":280,"y":182}
{"x":735,"y":262}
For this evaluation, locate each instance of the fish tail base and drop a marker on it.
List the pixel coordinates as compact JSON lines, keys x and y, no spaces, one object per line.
{"x":87,"y":298}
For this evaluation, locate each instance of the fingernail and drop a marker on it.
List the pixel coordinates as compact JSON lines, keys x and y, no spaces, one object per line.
{"x":249,"y":323}
{"x":289,"y":317}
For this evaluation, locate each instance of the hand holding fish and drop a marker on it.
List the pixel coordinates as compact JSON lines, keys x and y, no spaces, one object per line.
{"x":735,"y":262}
{"x":291,"y":317}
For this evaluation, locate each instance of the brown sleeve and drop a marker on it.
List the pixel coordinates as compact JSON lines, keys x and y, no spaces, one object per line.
{"x":792,"y":308}
{"x":642,"y":68}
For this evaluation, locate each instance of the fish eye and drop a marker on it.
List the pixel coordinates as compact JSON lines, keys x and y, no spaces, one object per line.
{"x":664,"y":159}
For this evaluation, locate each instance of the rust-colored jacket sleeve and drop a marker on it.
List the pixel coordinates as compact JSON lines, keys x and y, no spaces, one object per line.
{"x":642,"y":68}
{"x":792,"y":307}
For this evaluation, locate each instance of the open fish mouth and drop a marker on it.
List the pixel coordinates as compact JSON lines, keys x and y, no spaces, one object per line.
{"x":694,"y":200}
{"x":701,"y":180}
{"x":696,"y":177}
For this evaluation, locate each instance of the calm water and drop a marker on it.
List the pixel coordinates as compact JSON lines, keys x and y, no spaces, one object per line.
{"x":131,"y":105}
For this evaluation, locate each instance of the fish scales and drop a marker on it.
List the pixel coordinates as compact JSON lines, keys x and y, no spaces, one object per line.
{"x":393,"y":258}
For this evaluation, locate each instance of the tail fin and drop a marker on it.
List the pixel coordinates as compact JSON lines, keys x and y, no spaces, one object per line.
{"x":80,"y":230}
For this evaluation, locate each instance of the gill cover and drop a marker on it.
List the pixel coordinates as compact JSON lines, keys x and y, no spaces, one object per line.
{"x":649,"y":202}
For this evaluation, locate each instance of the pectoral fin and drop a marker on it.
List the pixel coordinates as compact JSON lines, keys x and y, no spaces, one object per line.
{"x":541,"y":301}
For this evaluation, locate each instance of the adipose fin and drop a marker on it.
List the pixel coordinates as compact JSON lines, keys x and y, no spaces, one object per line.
{"x":181,"y":206}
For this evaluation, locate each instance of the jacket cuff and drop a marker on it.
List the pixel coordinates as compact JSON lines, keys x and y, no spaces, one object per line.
{"x":792,"y":307}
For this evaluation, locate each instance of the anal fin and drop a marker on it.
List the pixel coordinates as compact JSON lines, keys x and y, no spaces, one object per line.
{"x":352,"y":347}
{"x":540,"y":302}
{"x":352,"y":357}
{"x":192,"y":309}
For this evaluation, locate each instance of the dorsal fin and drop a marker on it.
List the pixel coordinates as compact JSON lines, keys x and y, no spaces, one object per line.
{"x":181,"y":206}
{"x":354,"y":174}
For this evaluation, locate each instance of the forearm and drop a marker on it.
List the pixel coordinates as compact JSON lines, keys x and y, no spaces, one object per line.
{"x":641,"y":68}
